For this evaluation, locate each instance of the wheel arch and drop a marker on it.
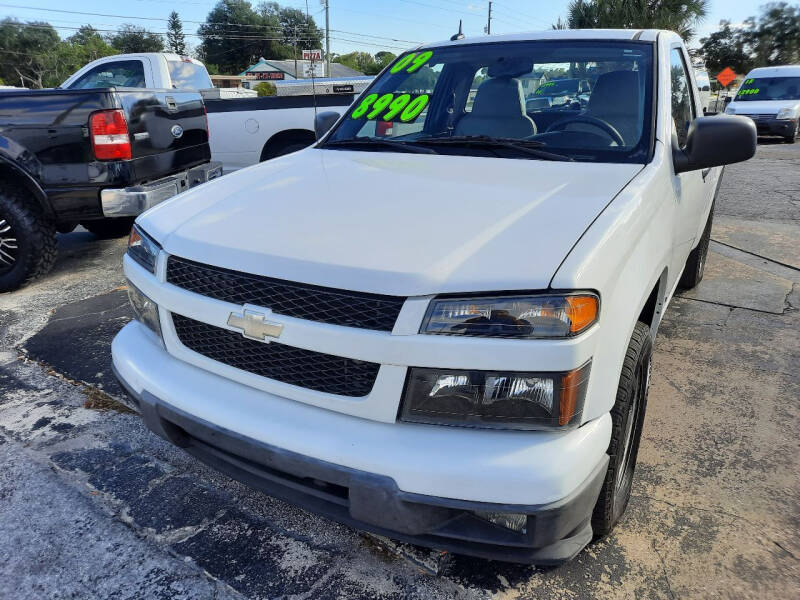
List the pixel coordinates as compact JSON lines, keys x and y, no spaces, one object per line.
{"x":652,"y":310}
{"x":11,"y":173}
{"x":284,"y":138}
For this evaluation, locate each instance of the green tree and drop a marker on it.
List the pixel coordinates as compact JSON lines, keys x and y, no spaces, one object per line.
{"x":771,"y":39}
{"x":132,"y":38}
{"x":84,"y":46}
{"x":360,"y":61}
{"x":726,"y":47}
{"x":382,"y":59}
{"x":29,"y":51}
{"x":266,"y":88}
{"x":235,"y":35}
{"x":176,"y":41}
{"x":295,"y":25}
{"x":775,"y":38}
{"x":681,"y":16}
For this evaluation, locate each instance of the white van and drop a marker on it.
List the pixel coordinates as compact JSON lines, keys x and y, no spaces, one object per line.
{"x":771,"y":97}
{"x":703,"y":86}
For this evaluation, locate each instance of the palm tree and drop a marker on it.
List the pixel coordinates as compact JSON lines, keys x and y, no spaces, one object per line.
{"x":680,"y":16}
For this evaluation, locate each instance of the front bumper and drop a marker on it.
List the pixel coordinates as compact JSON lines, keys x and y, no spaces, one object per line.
{"x":134,"y":200}
{"x":775,"y":127}
{"x":416,"y":483}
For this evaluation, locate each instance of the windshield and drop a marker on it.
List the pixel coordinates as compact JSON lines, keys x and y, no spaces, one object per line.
{"x":186,"y":75}
{"x":769,"y":88}
{"x":588,"y":101}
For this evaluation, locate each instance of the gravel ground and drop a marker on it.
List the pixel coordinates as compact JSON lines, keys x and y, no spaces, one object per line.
{"x":94,"y":506}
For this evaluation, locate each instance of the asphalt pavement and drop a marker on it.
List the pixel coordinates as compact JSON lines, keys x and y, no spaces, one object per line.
{"x":92,"y":505}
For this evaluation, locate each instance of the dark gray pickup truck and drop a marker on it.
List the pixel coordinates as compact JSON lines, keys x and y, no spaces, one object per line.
{"x":97,"y":157}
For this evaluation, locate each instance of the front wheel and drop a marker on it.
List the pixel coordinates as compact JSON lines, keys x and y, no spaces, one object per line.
{"x":627,"y":418}
{"x":790,"y":139}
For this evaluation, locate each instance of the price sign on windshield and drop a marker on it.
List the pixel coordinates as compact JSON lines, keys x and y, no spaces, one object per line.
{"x":747,"y":89}
{"x":388,"y":106}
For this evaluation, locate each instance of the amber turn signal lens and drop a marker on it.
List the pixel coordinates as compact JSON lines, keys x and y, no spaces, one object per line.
{"x":582,"y":312}
{"x":135,"y":237}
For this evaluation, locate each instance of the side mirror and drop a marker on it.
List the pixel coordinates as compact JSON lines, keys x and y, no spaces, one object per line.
{"x":728,"y":99}
{"x":715,"y":141}
{"x":324,"y":121}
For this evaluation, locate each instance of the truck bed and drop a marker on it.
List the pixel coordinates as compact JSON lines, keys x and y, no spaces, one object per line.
{"x":46,"y":134}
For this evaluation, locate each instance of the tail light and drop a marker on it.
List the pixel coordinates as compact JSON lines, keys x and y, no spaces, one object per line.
{"x":109,"y":133}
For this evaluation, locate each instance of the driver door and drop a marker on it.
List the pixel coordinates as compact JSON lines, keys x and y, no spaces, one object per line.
{"x":691,"y":188}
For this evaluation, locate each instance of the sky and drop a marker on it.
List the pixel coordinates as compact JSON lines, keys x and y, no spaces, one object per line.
{"x":370,"y":26}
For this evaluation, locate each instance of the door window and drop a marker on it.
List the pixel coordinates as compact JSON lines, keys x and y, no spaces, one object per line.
{"x":683,"y":111}
{"x":124,"y":73}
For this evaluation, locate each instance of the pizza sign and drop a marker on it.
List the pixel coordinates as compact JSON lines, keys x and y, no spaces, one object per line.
{"x":312,"y":55}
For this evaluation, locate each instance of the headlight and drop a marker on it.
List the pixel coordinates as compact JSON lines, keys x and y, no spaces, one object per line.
{"x":143,"y":249}
{"x":786,"y":114}
{"x":731,"y":110}
{"x":498,"y":400}
{"x":145,"y":309}
{"x":550,"y":316}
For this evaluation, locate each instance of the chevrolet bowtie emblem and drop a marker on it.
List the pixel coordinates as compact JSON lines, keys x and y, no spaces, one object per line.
{"x":254,"y":325}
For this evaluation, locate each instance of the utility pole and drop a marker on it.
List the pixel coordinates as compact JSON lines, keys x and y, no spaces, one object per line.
{"x":327,"y":36}
{"x":489,"y":25}
{"x":294,"y":45}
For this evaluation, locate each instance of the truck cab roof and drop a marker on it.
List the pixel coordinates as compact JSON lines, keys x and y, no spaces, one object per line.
{"x":647,"y":35}
{"x":777,"y":71}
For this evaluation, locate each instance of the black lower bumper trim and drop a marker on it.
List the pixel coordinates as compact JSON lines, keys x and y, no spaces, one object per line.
{"x":554,"y":534}
{"x":767,"y":127}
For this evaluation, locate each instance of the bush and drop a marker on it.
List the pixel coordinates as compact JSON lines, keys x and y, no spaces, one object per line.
{"x":266,"y":88}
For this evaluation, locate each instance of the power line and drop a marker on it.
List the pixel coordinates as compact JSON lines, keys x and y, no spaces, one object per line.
{"x":213,"y":36}
{"x":517,"y":14}
{"x":265,"y":28}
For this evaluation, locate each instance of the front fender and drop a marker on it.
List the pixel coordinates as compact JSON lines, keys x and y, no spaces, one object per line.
{"x":623,"y":255}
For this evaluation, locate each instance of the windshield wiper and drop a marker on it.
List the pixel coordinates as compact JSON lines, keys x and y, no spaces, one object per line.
{"x":393,"y":144}
{"x":530,"y":147}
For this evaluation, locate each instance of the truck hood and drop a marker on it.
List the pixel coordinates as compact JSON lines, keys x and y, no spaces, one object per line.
{"x":763,"y":107}
{"x":391,"y":223}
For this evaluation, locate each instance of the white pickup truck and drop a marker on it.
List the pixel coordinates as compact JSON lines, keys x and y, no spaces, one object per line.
{"x":243,"y":130}
{"x":441,"y":331}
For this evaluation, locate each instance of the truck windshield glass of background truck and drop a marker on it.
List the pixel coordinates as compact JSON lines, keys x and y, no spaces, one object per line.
{"x":589,"y":101}
{"x":769,"y":88}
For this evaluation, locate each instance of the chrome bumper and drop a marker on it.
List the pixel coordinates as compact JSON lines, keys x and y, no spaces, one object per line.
{"x":134,"y":200}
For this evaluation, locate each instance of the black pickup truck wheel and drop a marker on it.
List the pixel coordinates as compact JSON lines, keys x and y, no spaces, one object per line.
{"x":107,"y":229}
{"x":627,"y":418}
{"x":28,"y":245}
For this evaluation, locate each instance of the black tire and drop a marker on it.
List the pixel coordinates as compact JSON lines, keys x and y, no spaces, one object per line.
{"x":790,"y":139}
{"x":627,"y":417}
{"x":696,"y":262}
{"x":28,"y":242}
{"x":106,"y":229}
